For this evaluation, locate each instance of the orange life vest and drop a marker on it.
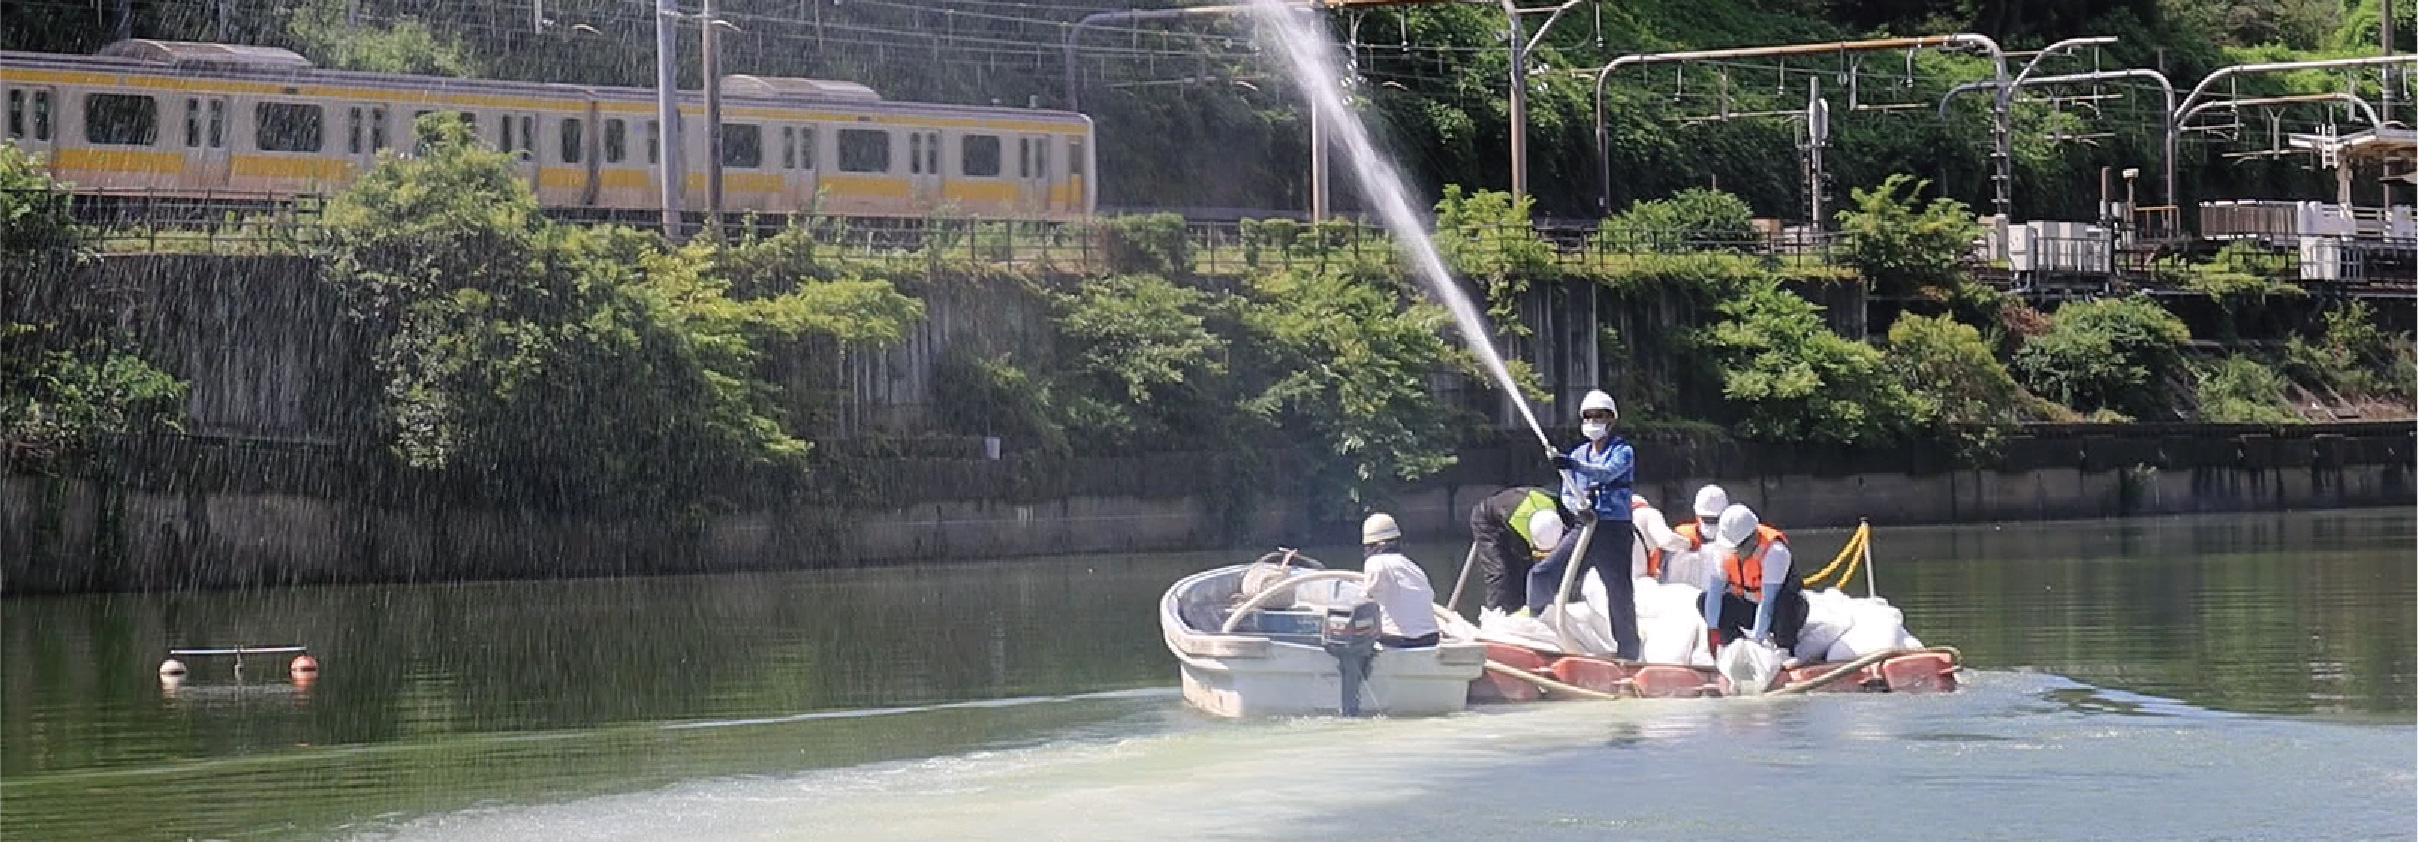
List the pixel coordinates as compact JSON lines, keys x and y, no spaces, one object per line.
{"x":1746,"y":575}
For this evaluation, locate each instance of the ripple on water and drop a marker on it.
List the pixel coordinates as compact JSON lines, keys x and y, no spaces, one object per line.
{"x":1991,"y":761}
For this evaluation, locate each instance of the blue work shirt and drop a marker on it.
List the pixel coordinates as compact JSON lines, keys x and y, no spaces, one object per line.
{"x":1607,"y":471}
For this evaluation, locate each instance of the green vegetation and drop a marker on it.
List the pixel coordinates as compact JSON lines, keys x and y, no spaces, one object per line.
{"x":64,"y":388}
{"x":1960,"y":389}
{"x":2241,"y":390}
{"x":2116,"y":354}
{"x":1798,"y":381}
{"x":584,"y":367}
{"x":1696,"y":219}
{"x":1902,"y":249}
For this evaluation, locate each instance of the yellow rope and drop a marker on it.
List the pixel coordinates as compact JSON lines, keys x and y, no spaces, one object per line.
{"x":1850,"y":555}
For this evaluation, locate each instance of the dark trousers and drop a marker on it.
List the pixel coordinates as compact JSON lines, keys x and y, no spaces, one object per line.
{"x":1788,"y":615}
{"x":1392,"y":641}
{"x":1608,"y":556}
{"x":1502,"y":555}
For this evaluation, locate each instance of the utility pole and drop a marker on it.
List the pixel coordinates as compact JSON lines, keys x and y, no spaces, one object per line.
{"x":710,"y":38}
{"x":1817,"y":135}
{"x":667,"y":113}
{"x":2384,"y":32}
{"x":1521,"y":45}
{"x":1318,"y":165}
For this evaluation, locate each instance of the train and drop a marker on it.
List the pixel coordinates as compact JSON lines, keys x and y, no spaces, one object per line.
{"x":233,"y":122}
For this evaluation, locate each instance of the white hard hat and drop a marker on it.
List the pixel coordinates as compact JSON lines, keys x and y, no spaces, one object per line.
{"x":1596,"y":399}
{"x":1710,"y":500}
{"x":1545,"y":529}
{"x":1737,"y":524}
{"x":1379,"y":527}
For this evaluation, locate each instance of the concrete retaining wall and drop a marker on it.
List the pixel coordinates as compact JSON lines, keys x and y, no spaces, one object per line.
{"x":71,"y":534}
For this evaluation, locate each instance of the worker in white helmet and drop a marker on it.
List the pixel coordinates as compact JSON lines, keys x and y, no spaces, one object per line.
{"x":1510,"y":530}
{"x":1688,"y":563}
{"x":1406,"y":601}
{"x":1754,"y":592}
{"x":1597,"y":476}
{"x":1657,"y":542}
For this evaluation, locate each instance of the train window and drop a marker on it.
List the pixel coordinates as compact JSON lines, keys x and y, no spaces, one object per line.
{"x":978,"y":155}
{"x":287,"y":127}
{"x":806,"y":148}
{"x":503,"y":134}
{"x":377,"y":129}
{"x":654,"y":141}
{"x":117,"y":119}
{"x":528,"y":135}
{"x":41,"y":114}
{"x":16,"y":113}
{"x":864,"y":150}
{"x":1041,"y":157}
{"x":1074,"y":157}
{"x":575,"y":139}
{"x":218,"y":123}
{"x":352,"y":130}
{"x":616,"y":141}
{"x":742,"y":145}
{"x":915,"y":152}
{"x":789,"y":147}
{"x":192,"y":122}
{"x":932,"y":152}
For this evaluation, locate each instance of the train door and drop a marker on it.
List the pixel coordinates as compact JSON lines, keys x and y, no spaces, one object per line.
{"x":365,"y":132}
{"x":516,"y":135}
{"x":33,"y":117}
{"x":1032,"y":172}
{"x":583,"y":143}
{"x":798,"y":171}
{"x":204,"y":133}
{"x":924,"y":180}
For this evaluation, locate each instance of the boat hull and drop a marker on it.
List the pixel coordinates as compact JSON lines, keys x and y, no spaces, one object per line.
{"x":1245,"y":674}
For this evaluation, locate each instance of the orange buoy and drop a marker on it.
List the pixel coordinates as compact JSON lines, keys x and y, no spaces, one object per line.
{"x":304,"y":665}
{"x":172,"y":666}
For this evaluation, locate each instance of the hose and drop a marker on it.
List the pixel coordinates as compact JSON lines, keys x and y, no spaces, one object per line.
{"x":1561,"y":596}
{"x":1500,"y":668}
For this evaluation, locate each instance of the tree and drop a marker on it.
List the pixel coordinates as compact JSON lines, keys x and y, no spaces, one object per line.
{"x":1798,"y":381}
{"x":2120,"y":354}
{"x":1695,"y":219}
{"x":565,"y":366}
{"x":1338,"y":353}
{"x":1961,"y":390}
{"x":1902,"y":249}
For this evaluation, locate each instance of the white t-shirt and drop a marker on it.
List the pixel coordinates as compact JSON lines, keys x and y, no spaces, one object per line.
{"x":1405,"y":600}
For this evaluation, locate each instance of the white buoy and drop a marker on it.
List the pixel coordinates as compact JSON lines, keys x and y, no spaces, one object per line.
{"x":172,"y":666}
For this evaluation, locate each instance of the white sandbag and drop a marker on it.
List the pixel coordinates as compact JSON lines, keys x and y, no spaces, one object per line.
{"x":1828,"y":615}
{"x":1878,"y":627}
{"x":1672,"y":639}
{"x":1499,"y":627}
{"x":1750,"y":666}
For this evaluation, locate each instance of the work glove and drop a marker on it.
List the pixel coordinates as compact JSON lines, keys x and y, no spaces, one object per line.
{"x":1562,"y":463}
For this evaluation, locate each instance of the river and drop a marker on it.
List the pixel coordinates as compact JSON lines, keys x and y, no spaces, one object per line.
{"x":2206,"y":677}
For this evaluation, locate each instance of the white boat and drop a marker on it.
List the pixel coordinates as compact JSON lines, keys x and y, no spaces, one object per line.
{"x":1267,"y":653}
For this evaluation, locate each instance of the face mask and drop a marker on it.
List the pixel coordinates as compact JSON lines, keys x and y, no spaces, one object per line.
{"x":1595,"y":430}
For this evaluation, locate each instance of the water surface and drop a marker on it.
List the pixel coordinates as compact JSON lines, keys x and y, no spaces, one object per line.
{"x":2188,"y":678}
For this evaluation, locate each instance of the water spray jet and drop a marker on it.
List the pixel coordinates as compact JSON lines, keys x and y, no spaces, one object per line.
{"x":1311,"y":56}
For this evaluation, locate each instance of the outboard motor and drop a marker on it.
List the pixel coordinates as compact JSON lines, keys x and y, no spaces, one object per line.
{"x":1350,"y":634}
